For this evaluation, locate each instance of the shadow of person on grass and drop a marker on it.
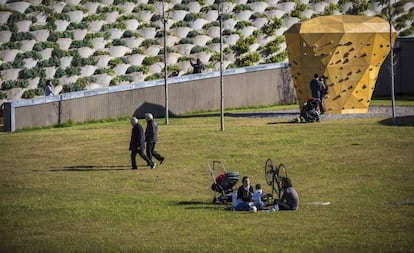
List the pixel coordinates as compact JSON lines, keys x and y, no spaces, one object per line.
{"x":94,"y":168}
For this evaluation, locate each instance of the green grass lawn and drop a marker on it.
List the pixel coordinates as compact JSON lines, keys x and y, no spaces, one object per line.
{"x":71,"y":189}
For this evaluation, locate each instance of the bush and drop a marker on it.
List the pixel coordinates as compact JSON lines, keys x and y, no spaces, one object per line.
{"x":120,"y":79}
{"x":149,"y":60}
{"x":155,"y":76}
{"x":28,"y":94}
{"x":3,"y":95}
{"x":78,"y":61}
{"x":10,"y":45}
{"x":72,"y":71}
{"x":198,"y":49}
{"x":281,"y":57}
{"x":6,"y":65}
{"x":30,"y":54}
{"x":215,"y":57}
{"x":149,"y":42}
{"x":173,"y":68}
{"x":59,"y":73}
{"x":186,"y":41}
{"x":135,"y":68}
{"x":118,"y":42}
{"x":144,"y":7}
{"x":180,"y":23}
{"x":117,"y":61}
{"x":32,"y":73}
{"x":77,"y":86}
{"x":130,"y":34}
{"x":80,"y":25}
{"x":193,"y":34}
{"x":183,"y":7}
{"x":21,"y":36}
{"x":119,"y":25}
{"x":192,"y":16}
{"x":211,"y":24}
{"x":10,"y":84}
{"x":243,"y":44}
{"x":274,"y":45}
{"x":271,"y":28}
{"x":94,"y":17}
{"x":104,"y":71}
{"x":249,"y":59}
{"x":39,"y":46}
{"x":242,"y":24}
{"x":257,"y":15}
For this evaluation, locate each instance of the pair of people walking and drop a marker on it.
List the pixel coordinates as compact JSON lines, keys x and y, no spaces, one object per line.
{"x":319,"y":90}
{"x":140,"y":141}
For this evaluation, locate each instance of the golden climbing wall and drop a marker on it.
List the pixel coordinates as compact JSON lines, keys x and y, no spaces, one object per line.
{"x":349,"y":50}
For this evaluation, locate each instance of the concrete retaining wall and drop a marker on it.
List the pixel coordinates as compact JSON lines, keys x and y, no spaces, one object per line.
{"x":252,"y":86}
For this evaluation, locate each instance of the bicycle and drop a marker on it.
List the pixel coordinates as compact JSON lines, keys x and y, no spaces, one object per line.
{"x":274,"y":176}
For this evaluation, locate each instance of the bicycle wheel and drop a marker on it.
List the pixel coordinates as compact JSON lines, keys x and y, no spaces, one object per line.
{"x":279,"y":175}
{"x":281,"y":171}
{"x":269,"y":170}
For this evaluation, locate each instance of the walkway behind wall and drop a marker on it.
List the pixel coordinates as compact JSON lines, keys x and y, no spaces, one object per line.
{"x":251,"y":86}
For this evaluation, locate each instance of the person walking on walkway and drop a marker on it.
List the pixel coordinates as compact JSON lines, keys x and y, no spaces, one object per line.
{"x":198,"y":66}
{"x":137,"y":144}
{"x":151,"y":138}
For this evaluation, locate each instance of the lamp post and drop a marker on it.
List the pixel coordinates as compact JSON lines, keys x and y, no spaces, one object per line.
{"x":221,"y":68}
{"x":164,"y":21}
{"x":391,"y":62}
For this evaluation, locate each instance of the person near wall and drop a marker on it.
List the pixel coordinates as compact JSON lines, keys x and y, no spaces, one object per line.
{"x":316,"y":87}
{"x":137,"y":144}
{"x":151,"y":137}
{"x":324,"y":92}
{"x":198,"y":66}
{"x":49,"y":90}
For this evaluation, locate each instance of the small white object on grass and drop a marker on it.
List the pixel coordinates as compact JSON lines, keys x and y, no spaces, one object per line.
{"x":319,"y":203}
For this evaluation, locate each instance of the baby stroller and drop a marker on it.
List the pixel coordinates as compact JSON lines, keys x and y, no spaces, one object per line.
{"x":223,"y":184}
{"x":309,"y":112}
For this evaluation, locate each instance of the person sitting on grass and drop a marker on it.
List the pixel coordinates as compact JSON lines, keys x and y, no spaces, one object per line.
{"x":290,"y":198}
{"x":244,"y":196}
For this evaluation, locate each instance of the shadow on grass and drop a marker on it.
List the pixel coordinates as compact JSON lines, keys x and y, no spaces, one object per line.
{"x":194,"y":205}
{"x":93,"y":168}
{"x":399,"y":121}
{"x":278,"y":114}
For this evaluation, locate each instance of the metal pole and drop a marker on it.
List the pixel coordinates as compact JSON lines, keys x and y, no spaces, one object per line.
{"x":392,"y":65}
{"x":221,"y":68}
{"x":164,"y":20}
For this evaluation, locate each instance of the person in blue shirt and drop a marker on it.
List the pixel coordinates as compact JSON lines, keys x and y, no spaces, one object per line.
{"x":49,"y":90}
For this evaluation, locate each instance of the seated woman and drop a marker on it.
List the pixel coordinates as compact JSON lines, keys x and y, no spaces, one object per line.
{"x":244,"y":197}
{"x":290,"y":198}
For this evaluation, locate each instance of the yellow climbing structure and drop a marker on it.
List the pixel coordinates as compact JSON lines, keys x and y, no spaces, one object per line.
{"x":349,"y":50}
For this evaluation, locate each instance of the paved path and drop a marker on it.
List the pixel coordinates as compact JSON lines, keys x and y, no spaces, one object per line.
{"x":373,"y":111}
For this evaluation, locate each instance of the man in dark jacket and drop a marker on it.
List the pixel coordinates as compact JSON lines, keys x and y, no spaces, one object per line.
{"x":137,"y":144}
{"x":198,"y":66}
{"x":316,"y":88}
{"x":151,"y":138}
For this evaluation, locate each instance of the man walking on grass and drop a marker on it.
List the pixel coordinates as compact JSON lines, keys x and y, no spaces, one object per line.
{"x":151,"y":139}
{"x":137,"y":144}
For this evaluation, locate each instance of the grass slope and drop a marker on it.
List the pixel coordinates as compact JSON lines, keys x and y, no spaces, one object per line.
{"x":71,"y":190}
